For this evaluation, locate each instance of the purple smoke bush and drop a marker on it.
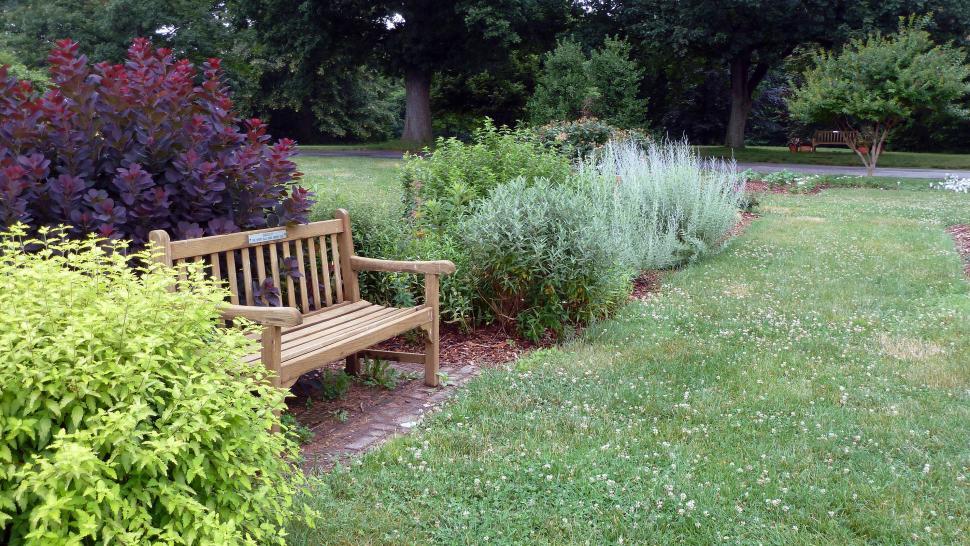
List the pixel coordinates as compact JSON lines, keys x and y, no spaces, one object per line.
{"x":120,"y":150}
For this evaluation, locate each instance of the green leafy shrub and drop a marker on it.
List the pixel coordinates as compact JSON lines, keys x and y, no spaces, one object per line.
{"x":668,"y":206}
{"x":127,"y":415}
{"x":604,"y":84}
{"x":380,"y":230}
{"x":38,"y":78}
{"x":439,"y":190}
{"x":584,"y":136}
{"x":542,"y":257}
{"x":439,"y":187}
{"x":331,"y":384}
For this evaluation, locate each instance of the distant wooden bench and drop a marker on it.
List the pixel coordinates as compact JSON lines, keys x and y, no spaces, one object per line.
{"x":834,"y":138}
{"x":312,"y":267}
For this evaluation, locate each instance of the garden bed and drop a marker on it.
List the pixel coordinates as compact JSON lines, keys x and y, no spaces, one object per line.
{"x":757,"y":186}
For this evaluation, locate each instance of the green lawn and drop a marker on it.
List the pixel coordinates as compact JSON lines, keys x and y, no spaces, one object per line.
{"x":838,"y":156}
{"x":396,"y":145}
{"x":347,"y":180}
{"x":808,"y":385}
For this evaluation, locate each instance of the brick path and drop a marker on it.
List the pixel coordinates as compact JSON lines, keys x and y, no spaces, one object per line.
{"x":385,"y":414}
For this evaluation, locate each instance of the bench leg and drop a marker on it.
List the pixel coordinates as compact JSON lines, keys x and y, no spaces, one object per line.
{"x":431,"y":362}
{"x":352,"y":367}
{"x":270,"y":356}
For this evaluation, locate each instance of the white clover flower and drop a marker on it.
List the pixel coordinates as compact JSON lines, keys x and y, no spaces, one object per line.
{"x":954,"y":183}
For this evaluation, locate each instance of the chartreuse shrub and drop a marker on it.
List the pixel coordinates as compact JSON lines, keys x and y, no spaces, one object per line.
{"x":120,"y":150}
{"x":126,"y":415}
{"x":439,"y":187}
{"x":543,"y":256}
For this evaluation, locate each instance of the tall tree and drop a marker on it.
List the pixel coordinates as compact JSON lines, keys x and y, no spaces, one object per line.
{"x":194,"y":29}
{"x":413,"y":39}
{"x":313,"y":67}
{"x":428,"y":36}
{"x":874,"y":85}
{"x":748,"y":36}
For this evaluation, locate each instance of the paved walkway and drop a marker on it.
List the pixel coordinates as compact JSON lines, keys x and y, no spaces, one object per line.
{"x":858,"y":171}
{"x":761,"y":167}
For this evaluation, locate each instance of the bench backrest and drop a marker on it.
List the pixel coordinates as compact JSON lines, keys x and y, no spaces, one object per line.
{"x":835,"y":137}
{"x":309,"y":264}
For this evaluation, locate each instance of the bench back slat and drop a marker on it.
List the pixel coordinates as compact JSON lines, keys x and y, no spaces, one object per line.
{"x":314,"y":277}
{"x":338,"y":280}
{"x":835,"y":137}
{"x":306,"y":263}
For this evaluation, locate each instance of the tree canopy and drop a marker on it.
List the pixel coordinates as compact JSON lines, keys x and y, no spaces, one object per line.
{"x":351,"y":70}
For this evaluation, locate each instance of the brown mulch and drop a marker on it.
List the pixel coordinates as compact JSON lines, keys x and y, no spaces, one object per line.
{"x":367,"y":415}
{"x":756,"y":186}
{"x":743,"y":223}
{"x":961,"y":236}
{"x":485,"y":346}
{"x":646,"y":284}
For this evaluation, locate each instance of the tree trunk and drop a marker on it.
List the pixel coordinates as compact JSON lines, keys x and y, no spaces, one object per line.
{"x":741,"y":91}
{"x":417,"y":116}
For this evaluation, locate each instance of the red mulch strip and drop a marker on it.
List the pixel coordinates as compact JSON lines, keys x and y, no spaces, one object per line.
{"x":961,"y":236}
{"x":485,"y":346}
{"x":646,"y":284}
{"x":743,"y":223}
{"x":756,"y":186}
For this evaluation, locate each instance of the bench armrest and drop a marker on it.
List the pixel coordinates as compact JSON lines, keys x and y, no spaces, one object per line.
{"x":436,"y":267}
{"x":267,"y":316}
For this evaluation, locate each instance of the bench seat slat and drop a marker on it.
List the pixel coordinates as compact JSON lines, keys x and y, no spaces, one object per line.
{"x":352,"y":342}
{"x":300,"y":341}
{"x":312,"y":337}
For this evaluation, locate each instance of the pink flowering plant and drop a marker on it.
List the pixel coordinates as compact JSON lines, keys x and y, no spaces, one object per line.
{"x":120,"y":150}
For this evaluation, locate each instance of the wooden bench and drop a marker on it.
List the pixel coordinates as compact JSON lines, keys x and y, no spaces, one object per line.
{"x":835,"y":138}
{"x":313,"y":269}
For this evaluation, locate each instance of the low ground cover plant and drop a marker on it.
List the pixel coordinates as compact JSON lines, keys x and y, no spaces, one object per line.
{"x":579,"y":138}
{"x":791,"y":182}
{"x":119,"y":150}
{"x":126,"y":415}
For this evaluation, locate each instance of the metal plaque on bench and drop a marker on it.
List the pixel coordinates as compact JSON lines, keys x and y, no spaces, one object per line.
{"x":267,"y":236}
